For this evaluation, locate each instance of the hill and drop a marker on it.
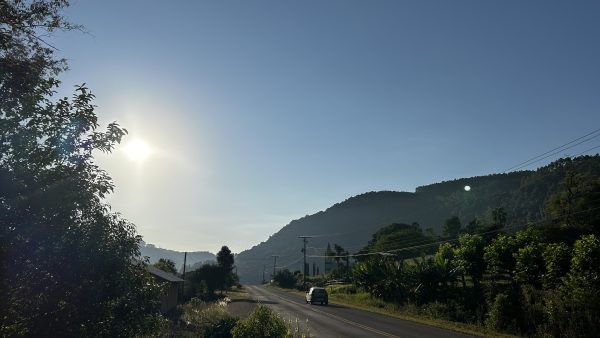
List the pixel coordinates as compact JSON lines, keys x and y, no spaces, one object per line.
{"x":351,"y":223}
{"x":154,"y":254}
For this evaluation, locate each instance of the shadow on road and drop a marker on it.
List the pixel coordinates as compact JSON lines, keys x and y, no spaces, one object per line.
{"x":329,"y":305}
{"x":253,"y":301}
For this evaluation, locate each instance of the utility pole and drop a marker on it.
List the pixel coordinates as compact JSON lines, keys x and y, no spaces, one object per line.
{"x":304,"y":241}
{"x":274,"y":263}
{"x":183,"y":284}
{"x":264,"y":268}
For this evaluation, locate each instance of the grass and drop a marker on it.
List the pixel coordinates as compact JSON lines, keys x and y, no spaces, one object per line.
{"x":339,"y":295}
{"x":238,"y":294}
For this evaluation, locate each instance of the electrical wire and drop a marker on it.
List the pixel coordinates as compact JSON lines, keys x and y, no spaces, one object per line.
{"x":585,"y":151}
{"x":452,"y":239}
{"x":554,"y":151}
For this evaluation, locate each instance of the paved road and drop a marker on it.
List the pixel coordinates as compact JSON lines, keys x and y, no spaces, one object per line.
{"x":338,"y":321}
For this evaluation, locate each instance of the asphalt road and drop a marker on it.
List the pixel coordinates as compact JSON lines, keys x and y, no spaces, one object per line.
{"x":338,"y":321}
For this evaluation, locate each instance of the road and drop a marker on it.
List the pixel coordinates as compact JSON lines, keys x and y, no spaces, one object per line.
{"x":338,"y":321}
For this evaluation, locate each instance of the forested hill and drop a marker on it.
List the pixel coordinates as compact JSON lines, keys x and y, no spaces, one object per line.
{"x":351,"y":223}
{"x":154,"y":254}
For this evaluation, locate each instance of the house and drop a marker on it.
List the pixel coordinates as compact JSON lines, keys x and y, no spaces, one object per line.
{"x":168,"y":300}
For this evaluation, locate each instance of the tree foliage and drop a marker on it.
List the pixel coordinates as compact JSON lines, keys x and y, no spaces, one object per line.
{"x":285,"y":279}
{"x":225,"y":261}
{"x":166,"y":265}
{"x":452,"y":227}
{"x":208,"y":278}
{"x":261,"y":322}
{"x":68,"y":266}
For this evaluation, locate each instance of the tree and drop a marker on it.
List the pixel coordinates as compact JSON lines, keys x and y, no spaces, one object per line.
{"x":225,"y":261}
{"x":285,"y":279}
{"x":469,"y":257}
{"x":339,"y":252}
{"x":452,"y":227}
{"x":384,"y":278}
{"x":575,"y":307}
{"x":446,"y":262}
{"x":585,"y":264}
{"x":166,"y":265}
{"x":474,"y":226}
{"x":68,"y":266}
{"x":529,"y":264}
{"x":577,"y":204}
{"x":498,"y":218}
{"x":557,"y":259}
{"x":225,"y":258}
{"x":499,"y":255}
{"x":204,"y":281}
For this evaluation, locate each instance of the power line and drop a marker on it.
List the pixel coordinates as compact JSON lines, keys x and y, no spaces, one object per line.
{"x":585,"y":151}
{"x":453,"y":239}
{"x":554,"y":151}
{"x":545,"y":157}
{"x":287,"y":265}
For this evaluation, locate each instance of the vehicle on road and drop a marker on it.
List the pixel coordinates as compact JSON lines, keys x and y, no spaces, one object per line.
{"x":317,"y":295}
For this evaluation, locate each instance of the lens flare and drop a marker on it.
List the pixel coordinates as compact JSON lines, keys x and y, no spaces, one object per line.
{"x":137,"y":150}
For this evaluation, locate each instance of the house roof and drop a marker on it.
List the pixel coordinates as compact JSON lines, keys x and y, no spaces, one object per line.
{"x":163,"y":274}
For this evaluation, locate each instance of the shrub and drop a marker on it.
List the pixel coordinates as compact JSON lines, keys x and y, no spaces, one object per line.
{"x":285,"y":279}
{"x":208,"y":320}
{"x":261,"y":322}
{"x":501,"y":314}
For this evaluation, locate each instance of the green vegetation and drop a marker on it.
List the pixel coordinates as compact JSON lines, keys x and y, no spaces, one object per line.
{"x":432,"y":314}
{"x":205,"y":320}
{"x":208,"y":278}
{"x":68,"y":265}
{"x":166,"y":265}
{"x":541,"y":281}
{"x":286,"y":279}
{"x":509,"y":200}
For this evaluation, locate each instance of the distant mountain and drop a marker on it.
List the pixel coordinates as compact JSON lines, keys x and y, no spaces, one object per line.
{"x":352,"y":222}
{"x":195,"y":257}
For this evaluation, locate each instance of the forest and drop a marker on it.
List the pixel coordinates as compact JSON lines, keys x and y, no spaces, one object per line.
{"x":540,"y":278}
{"x":522,"y":196}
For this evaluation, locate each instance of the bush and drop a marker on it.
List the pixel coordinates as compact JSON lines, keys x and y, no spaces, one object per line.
{"x":261,"y":322}
{"x":502,"y":313}
{"x":208,"y":320}
{"x":285,"y":279}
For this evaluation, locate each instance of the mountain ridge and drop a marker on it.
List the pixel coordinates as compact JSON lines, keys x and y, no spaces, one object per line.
{"x":351,"y":223}
{"x":155,"y":253}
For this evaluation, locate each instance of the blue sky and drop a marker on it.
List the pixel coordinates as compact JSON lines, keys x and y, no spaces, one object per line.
{"x":259,"y":112}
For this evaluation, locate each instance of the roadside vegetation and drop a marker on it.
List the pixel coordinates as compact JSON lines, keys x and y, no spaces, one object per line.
{"x":543,"y":280}
{"x":209,"y":292}
{"x":69,"y":266}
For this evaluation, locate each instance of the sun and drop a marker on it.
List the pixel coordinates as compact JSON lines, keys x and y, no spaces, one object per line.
{"x":137,"y":150}
{"x":467,"y":188}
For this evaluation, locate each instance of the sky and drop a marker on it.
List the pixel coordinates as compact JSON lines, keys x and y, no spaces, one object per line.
{"x":256,"y":113}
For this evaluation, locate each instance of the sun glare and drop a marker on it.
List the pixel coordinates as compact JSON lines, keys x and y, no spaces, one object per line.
{"x":467,"y":188}
{"x":137,"y":150}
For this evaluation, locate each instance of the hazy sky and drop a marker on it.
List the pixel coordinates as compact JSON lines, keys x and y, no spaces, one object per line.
{"x":259,"y":112}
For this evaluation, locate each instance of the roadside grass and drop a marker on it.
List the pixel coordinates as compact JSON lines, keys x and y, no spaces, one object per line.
{"x":238,"y":294}
{"x":343,"y":295}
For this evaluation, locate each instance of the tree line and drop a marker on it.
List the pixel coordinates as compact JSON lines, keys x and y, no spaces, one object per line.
{"x":543,"y":280}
